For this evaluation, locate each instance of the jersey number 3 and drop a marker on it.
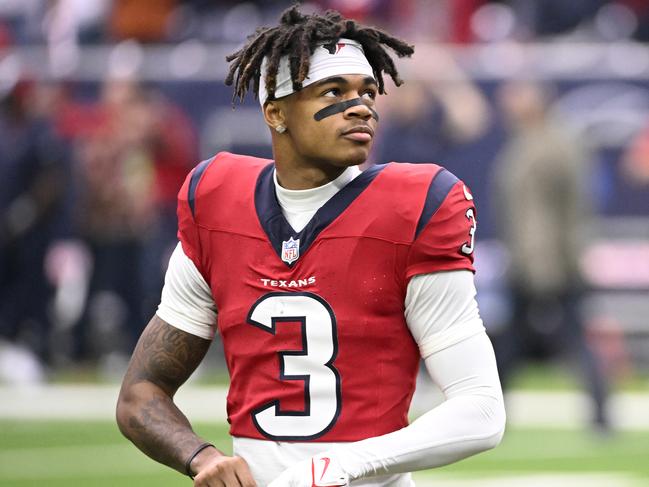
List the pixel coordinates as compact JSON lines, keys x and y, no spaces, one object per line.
{"x":467,"y":248}
{"x":313,"y":365}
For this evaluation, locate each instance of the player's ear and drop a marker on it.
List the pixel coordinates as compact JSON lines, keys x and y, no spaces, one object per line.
{"x":274,"y":114}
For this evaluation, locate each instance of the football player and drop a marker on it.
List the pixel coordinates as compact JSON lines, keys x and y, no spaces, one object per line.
{"x":326,"y":284}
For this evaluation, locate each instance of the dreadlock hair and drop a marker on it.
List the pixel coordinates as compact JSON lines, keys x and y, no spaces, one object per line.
{"x":298,"y":35}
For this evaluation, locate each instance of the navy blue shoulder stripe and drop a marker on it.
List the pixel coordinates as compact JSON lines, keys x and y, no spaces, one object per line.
{"x":193,"y":183}
{"x":439,"y":188}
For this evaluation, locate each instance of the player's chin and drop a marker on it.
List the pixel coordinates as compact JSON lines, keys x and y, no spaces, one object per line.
{"x":356,"y":155}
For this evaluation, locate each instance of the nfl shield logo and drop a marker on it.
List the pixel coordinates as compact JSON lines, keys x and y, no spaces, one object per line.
{"x":290,"y":250}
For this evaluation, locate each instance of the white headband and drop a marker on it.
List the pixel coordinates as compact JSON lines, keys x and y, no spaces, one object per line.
{"x":347,"y":58}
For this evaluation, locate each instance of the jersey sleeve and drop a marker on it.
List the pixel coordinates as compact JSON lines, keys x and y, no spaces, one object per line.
{"x":445,"y":233}
{"x":441,"y":310}
{"x":186,"y":301}
{"x":187,"y":229}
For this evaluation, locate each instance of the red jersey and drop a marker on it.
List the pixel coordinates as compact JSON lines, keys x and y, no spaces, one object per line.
{"x":312,"y":322}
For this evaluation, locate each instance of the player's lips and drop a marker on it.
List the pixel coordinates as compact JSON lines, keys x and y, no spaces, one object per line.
{"x":361,"y":133}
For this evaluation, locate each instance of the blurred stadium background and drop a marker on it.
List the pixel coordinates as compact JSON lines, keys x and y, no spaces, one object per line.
{"x":105,"y":105}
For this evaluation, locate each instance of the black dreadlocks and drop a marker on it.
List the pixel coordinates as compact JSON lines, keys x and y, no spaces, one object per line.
{"x":297,"y":36}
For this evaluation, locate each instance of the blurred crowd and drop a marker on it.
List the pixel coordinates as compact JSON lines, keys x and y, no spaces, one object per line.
{"x":453,"y":21}
{"x":87,"y":209}
{"x":89,"y":171}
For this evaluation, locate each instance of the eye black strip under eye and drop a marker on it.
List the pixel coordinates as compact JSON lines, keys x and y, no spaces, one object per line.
{"x":341,"y":107}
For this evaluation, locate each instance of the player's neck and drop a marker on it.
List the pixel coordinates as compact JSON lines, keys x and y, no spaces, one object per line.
{"x":291,"y":175}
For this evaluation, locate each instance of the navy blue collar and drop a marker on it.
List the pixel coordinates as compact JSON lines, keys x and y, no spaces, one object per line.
{"x":279,"y":230}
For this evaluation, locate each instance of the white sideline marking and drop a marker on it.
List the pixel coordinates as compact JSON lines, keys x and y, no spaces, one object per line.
{"x":629,"y":410}
{"x":97,"y":402}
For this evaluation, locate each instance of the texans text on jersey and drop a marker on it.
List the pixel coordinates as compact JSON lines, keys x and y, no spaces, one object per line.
{"x":296,"y":283}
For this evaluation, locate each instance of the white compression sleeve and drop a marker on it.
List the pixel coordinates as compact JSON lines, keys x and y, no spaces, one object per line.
{"x":187,"y":301}
{"x":470,"y":420}
{"x":441,"y":310}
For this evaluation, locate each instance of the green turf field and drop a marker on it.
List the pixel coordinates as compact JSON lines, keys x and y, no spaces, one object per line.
{"x":65,"y":454}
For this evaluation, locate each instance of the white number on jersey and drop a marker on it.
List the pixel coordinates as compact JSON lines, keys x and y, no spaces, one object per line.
{"x":313,"y":365}
{"x":467,"y":248}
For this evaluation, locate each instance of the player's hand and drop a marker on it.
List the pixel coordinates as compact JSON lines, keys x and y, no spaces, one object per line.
{"x":320,"y":470}
{"x":213,"y":469}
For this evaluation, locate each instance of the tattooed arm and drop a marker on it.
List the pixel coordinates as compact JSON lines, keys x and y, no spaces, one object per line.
{"x":163,"y":360}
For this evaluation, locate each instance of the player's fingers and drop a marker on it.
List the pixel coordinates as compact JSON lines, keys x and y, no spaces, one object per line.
{"x":226,"y":472}
{"x":204,"y":482}
{"x":243,"y":473}
{"x":229,"y":479}
{"x":223,"y":479}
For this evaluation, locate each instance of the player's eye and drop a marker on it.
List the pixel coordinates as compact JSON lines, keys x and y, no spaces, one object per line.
{"x":331,"y":93}
{"x":369,"y":94}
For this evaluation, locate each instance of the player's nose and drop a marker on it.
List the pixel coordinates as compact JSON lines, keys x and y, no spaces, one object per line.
{"x":358,"y":111}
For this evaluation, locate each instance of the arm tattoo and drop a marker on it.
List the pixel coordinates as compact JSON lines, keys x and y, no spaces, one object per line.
{"x":163,"y":360}
{"x":166,"y":355}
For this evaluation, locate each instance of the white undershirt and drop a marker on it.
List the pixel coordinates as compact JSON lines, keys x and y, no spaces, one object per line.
{"x":299,"y":205}
{"x":443,"y":317}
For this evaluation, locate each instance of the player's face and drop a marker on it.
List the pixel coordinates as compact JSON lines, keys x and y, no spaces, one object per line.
{"x":332,"y":122}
